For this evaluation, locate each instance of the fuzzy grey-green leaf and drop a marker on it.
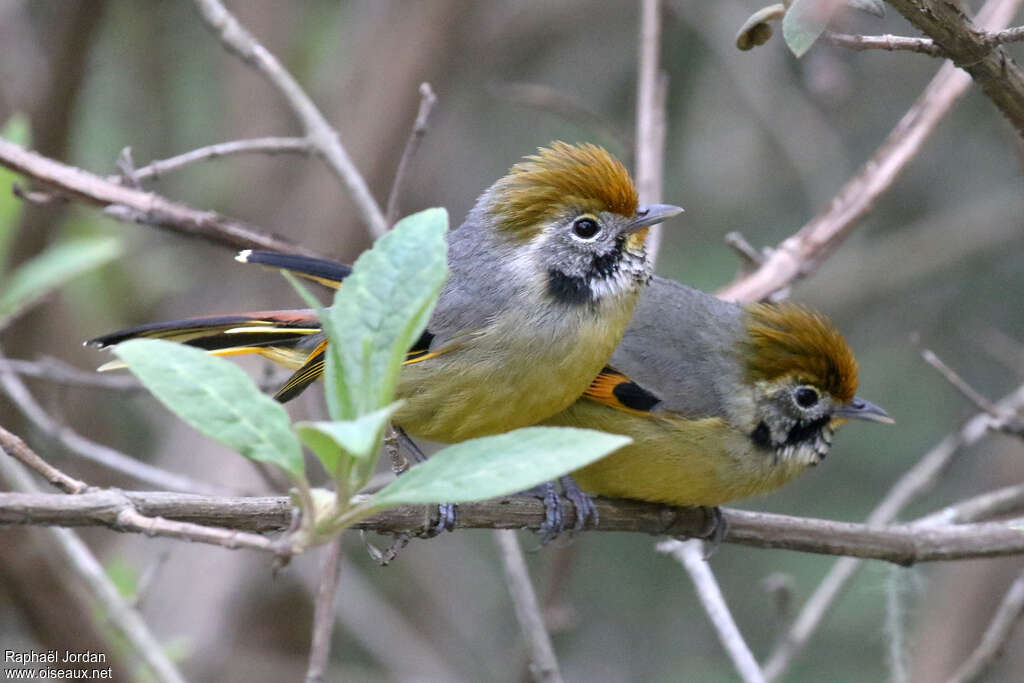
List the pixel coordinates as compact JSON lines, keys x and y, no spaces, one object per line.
{"x":381,"y":310}
{"x":805,"y":21}
{"x":217,"y":398}
{"x":357,"y":438}
{"x":499,"y":465}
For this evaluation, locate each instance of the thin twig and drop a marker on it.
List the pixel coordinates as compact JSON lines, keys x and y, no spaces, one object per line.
{"x":72,"y":553}
{"x":800,"y":254}
{"x":925,"y":46}
{"x":112,"y":459}
{"x":691,"y":555}
{"x":998,"y":633}
{"x":543,"y":664}
{"x":16,"y":448}
{"x":419,"y":128}
{"x":323,"y":613}
{"x":650,"y":116}
{"x":915,"y":481}
{"x":1004,"y":501}
{"x":268,"y":145}
{"x":318,"y":132}
{"x":958,"y":382}
{"x":147,"y":208}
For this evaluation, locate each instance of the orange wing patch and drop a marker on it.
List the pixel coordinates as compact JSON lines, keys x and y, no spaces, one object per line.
{"x":614,"y":389}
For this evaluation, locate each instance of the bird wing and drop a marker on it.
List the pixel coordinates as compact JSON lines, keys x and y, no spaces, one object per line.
{"x":323,"y":271}
{"x":612,"y":388}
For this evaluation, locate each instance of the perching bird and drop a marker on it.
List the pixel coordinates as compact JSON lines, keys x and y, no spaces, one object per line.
{"x":544,"y":276}
{"x":722,"y":401}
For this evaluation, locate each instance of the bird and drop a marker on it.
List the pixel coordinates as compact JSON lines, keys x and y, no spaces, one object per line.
{"x":543,"y":277}
{"x":722,"y":400}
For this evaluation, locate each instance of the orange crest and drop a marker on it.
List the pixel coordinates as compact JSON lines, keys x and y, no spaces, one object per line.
{"x":584,"y":177}
{"x":791,"y":340}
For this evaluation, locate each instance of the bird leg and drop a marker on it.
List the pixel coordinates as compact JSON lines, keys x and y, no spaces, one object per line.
{"x":446,"y":512}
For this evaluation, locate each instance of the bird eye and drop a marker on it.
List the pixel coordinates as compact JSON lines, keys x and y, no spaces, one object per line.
{"x":585,"y":228}
{"x":806,"y":397}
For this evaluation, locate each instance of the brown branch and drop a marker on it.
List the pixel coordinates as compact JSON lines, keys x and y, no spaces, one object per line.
{"x":903,"y":544}
{"x":966,"y":45}
{"x":888,"y":42}
{"x":998,"y":633}
{"x":319,"y":133}
{"x":543,"y":664}
{"x":651,"y":94}
{"x":138,"y":206}
{"x":419,"y":128}
{"x":690,"y":554}
{"x":268,"y":145}
{"x":1005,"y":501}
{"x":800,"y":254}
{"x":16,"y":448}
{"x":323,"y":613}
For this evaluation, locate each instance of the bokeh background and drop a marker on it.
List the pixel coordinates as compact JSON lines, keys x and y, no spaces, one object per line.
{"x":757,"y":142}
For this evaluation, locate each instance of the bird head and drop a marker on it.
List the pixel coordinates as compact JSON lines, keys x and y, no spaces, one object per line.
{"x":575,"y":207}
{"x":805,"y":379}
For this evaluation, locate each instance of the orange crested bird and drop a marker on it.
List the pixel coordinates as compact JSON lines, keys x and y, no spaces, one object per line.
{"x":722,"y":400}
{"x":544,"y":275}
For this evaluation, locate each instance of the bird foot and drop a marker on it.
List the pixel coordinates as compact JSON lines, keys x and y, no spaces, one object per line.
{"x":554,"y":509}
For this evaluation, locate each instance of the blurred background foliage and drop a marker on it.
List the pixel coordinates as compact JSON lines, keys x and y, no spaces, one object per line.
{"x":757,"y":142}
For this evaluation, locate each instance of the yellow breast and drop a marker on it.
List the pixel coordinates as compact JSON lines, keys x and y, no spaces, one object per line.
{"x":513,"y":374}
{"x":673,"y":460}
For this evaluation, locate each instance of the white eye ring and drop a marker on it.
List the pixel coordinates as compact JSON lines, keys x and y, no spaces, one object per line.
{"x":585,"y":229}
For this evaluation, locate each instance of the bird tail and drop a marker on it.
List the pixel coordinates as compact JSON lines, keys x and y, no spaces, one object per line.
{"x":284,"y":337}
{"x":327,"y":273}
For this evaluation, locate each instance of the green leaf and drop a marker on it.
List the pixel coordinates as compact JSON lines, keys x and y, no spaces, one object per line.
{"x":16,"y":130}
{"x":358,"y":438}
{"x":217,"y":398}
{"x":53,"y":268}
{"x":381,"y":311}
{"x":805,"y":21}
{"x":498,"y":465}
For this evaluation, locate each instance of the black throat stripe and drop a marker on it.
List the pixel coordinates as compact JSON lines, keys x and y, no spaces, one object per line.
{"x":569,"y":289}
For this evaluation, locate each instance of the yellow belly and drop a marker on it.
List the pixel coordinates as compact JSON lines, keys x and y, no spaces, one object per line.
{"x":675,"y":461}
{"x":512,"y":375}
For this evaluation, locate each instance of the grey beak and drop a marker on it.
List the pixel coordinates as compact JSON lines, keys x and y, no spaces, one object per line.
{"x":859,"y":409}
{"x":652,"y":214}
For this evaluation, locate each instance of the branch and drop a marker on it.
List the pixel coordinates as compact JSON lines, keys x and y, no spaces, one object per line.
{"x":888,"y":42}
{"x":323,"y":613}
{"x":691,"y":556}
{"x":988,"y":64}
{"x":1009,"y":613}
{"x":651,"y":94}
{"x":137,"y":206}
{"x":419,"y":128}
{"x":16,"y":448}
{"x":543,"y":664}
{"x":1005,"y":501}
{"x":915,"y":481}
{"x":800,"y":254}
{"x":319,"y":133}
{"x":903,"y":544}
{"x":268,"y":145}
